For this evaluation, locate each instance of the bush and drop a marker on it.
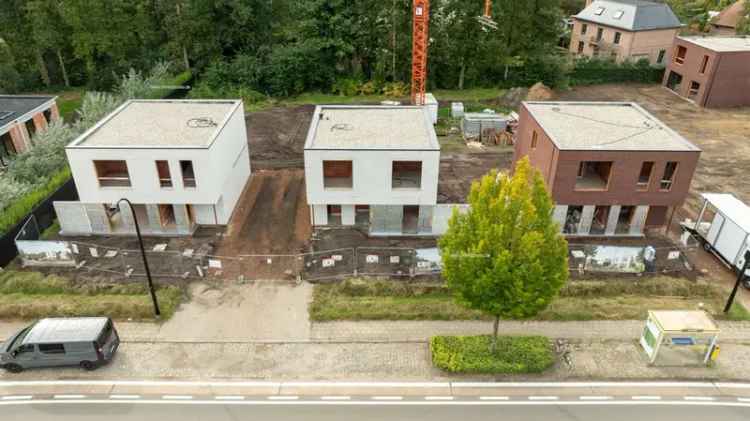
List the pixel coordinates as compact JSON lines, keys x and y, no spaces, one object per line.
{"x":14,"y":213}
{"x":396,"y":89}
{"x":471,"y":354}
{"x":346,"y":87}
{"x":591,"y":71}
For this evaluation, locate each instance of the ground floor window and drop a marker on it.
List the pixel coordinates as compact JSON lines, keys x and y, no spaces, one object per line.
{"x":334,"y":214}
{"x":674,"y":81}
{"x":599,"y":223}
{"x":362,"y":214}
{"x":410,"y":221}
{"x":625,"y":219}
{"x":573,"y":219}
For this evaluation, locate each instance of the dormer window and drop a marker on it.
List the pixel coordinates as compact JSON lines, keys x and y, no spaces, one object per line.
{"x":599,"y":11}
{"x":618,"y":14}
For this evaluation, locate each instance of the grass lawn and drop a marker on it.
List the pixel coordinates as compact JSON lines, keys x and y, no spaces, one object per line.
{"x":473,"y":355}
{"x":628,"y":299}
{"x":68,"y":100}
{"x":32,"y":295}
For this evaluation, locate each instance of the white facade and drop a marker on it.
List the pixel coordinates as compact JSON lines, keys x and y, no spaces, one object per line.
{"x":369,"y":140}
{"x":216,"y":146}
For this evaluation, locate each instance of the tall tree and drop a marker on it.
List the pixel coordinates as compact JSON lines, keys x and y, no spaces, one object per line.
{"x":506,"y":256}
{"x":49,"y":30}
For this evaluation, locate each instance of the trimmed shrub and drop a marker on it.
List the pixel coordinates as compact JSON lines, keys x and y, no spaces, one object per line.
{"x":12,"y":215}
{"x":471,"y":354}
{"x":592,"y":71}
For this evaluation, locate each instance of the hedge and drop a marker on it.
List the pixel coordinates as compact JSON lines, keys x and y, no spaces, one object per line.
{"x":13,"y":214}
{"x":471,"y":354}
{"x":599,"y":71}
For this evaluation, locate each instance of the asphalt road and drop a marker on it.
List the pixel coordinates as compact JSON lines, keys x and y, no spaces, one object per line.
{"x":392,"y":412}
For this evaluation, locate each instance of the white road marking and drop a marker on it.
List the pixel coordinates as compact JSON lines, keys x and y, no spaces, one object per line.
{"x":229,"y":398}
{"x":283,"y":398}
{"x":387,"y":398}
{"x":16,"y":398}
{"x":438,"y":398}
{"x":178,"y":397}
{"x":543,"y":398}
{"x":646,"y":398}
{"x":595,"y":398}
{"x":69,"y":397}
{"x":699,"y":398}
{"x":743,"y":399}
{"x":124,"y":396}
{"x":335,"y":398}
{"x":493,"y":398}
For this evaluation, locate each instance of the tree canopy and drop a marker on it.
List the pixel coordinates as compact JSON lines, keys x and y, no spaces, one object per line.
{"x":505,"y":256}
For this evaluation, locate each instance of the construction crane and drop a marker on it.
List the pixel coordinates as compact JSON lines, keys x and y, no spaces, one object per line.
{"x":420,"y":40}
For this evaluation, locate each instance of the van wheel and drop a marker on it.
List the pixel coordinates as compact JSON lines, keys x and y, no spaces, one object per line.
{"x":87,"y":365}
{"x":13,"y":368}
{"x":706,"y":246}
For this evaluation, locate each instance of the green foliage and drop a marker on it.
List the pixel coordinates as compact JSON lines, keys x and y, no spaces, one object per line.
{"x":20,"y":207}
{"x":471,"y":354}
{"x":505,"y":256}
{"x":743,"y":25}
{"x":591,"y":71}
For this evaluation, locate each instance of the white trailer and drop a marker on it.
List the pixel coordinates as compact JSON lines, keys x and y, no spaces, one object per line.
{"x":723,"y":227}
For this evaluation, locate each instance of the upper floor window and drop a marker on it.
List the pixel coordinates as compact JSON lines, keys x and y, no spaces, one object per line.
{"x":679,"y":54}
{"x":584,"y":28}
{"x":406,"y":174}
{"x":644,"y":177}
{"x":165,"y":178}
{"x":112,"y":173}
{"x":593,"y":175}
{"x":660,"y":58}
{"x":337,"y":174}
{"x":599,"y":34}
{"x":188,"y":174}
{"x":704,"y":64}
{"x":618,"y":35}
{"x":534,"y":139}
{"x":668,"y":178}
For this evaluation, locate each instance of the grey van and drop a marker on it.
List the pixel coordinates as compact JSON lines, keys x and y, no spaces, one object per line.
{"x":88,"y":342}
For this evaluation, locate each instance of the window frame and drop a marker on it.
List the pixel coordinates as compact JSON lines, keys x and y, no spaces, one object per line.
{"x":618,"y":38}
{"x":640,"y":186}
{"x":99,"y":177}
{"x":584,"y":28}
{"x":534,"y":139}
{"x":351,"y":174}
{"x":169,"y":174}
{"x":661,"y":56}
{"x":704,"y":64}
{"x":184,"y":179}
{"x":581,"y":172}
{"x":677,"y":59}
{"x":672,"y":179}
{"x":394,"y":163}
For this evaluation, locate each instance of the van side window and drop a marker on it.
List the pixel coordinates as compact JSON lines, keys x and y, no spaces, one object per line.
{"x":51,"y":348}
{"x":25,"y":348}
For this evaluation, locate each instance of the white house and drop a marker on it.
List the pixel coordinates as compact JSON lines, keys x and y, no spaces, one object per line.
{"x":375,"y":167}
{"x":181,"y":163}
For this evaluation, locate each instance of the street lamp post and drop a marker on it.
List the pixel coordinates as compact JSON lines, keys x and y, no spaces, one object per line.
{"x":740,"y":277}
{"x":151,"y":290}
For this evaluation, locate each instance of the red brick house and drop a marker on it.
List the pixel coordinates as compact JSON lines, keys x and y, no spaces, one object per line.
{"x":20,"y":117}
{"x":612,"y":168}
{"x":712,"y":71}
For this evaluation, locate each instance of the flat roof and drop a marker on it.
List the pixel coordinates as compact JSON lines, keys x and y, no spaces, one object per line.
{"x":684,"y":321}
{"x":371,"y":127}
{"x":160,"y":124}
{"x":13,"y":107}
{"x":606,"y":126}
{"x":731,"y":207}
{"x":721,"y":44}
{"x":74,"y":329}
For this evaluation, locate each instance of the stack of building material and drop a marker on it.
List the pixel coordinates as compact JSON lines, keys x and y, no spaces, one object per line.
{"x":483,"y":127}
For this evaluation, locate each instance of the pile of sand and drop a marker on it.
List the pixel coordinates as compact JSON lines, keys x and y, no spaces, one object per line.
{"x":540,"y":92}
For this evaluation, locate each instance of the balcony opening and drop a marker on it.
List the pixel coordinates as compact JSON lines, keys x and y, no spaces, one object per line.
{"x":406,"y":174}
{"x":644,"y":178}
{"x":410,"y":221}
{"x":674,"y":81}
{"x":112,"y":173}
{"x":669,"y":172}
{"x":704,"y":64}
{"x":625,"y":219}
{"x":573,"y":219}
{"x":165,"y":178}
{"x":695,"y":87}
{"x":679,"y":55}
{"x":334,"y":214}
{"x":166,"y":216}
{"x":188,"y":174}
{"x":337,"y":174}
{"x":362,"y":214}
{"x":599,"y":223}
{"x":593,"y":175}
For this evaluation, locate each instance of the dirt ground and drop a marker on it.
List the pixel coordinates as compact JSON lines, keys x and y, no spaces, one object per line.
{"x":277,"y":137}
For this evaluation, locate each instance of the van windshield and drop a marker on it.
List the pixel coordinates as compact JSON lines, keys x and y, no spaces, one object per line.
{"x":19,"y":338}
{"x":106,"y":332}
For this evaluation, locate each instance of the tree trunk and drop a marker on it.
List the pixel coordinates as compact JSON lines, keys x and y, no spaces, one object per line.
{"x":62,"y":68}
{"x":495,"y":326}
{"x":42,"y":67}
{"x":393,"y":42}
{"x":461,"y":75}
{"x":507,"y":70}
{"x":185,"y":58}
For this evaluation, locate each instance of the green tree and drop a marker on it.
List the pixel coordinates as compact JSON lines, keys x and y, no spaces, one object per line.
{"x":49,"y":31}
{"x":506,"y":256}
{"x":743,"y":26}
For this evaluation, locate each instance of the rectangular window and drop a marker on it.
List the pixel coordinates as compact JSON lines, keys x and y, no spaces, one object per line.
{"x":593,"y":175}
{"x":534,"y":139}
{"x":599,"y":34}
{"x":599,"y":223}
{"x":660,"y":58}
{"x":617,"y":37}
{"x":112,"y":173}
{"x":165,"y":178}
{"x":695,"y":87}
{"x":584,"y":28}
{"x":704,"y":64}
{"x":679,"y":54}
{"x":51,"y":348}
{"x":669,"y":172}
{"x":580,"y":47}
{"x":406,"y":174}
{"x":337,"y":174}
{"x":188,"y":174}
{"x":573,"y":219}
{"x":645,"y":176}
